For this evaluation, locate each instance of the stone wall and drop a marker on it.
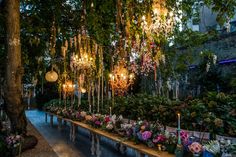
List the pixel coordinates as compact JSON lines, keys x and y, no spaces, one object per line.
{"x":224,"y":47}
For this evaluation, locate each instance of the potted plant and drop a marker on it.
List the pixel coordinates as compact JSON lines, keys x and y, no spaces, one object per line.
{"x":171,"y":142}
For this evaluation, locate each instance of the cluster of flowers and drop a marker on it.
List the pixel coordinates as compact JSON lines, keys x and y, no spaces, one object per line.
{"x":147,"y":65}
{"x":139,"y":131}
{"x":151,"y":134}
{"x":13,"y":141}
{"x":207,"y":148}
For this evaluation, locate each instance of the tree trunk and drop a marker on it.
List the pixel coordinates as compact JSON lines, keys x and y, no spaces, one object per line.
{"x":14,"y":71}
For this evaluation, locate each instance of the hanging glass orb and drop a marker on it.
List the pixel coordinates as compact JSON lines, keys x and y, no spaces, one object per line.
{"x":82,"y":90}
{"x":51,"y":76}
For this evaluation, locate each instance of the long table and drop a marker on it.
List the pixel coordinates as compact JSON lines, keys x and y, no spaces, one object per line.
{"x":141,"y":149}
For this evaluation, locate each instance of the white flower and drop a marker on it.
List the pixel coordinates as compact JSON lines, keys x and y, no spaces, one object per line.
{"x":120,"y":117}
{"x":214,"y":59}
{"x":126,"y":126}
{"x":208,"y":67}
{"x":18,"y":136}
{"x":167,"y":134}
{"x":113,"y":119}
{"x":140,"y":122}
{"x":109,"y":126}
{"x":83,"y":114}
{"x":213,"y":147}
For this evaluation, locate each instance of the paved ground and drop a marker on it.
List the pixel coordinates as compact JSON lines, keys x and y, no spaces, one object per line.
{"x":42,"y":149}
{"x":60,"y":143}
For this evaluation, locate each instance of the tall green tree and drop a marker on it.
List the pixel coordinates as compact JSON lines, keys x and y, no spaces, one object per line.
{"x":14,"y":71}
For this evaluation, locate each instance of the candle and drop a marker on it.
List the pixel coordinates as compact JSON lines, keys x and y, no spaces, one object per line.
{"x":178,"y":121}
{"x":179,"y":139}
{"x":110,"y":111}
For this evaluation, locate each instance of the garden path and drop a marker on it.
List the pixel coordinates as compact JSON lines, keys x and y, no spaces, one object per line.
{"x":61,"y":144}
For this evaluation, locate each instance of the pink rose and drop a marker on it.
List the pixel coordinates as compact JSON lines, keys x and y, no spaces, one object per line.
{"x":195,"y":147}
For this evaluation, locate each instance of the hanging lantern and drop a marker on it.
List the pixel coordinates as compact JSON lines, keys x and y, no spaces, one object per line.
{"x":68,"y":87}
{"x":51,"y":76}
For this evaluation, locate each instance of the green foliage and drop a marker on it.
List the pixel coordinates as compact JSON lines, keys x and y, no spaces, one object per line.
{"x":214,"y":113}
{"x":3,"y":148}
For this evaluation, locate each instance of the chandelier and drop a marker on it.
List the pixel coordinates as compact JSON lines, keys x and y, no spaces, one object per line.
{"x":68,"y":87}
{"x":120,"y":79}
{"x":84,"y":62}
{"x":160,"y":21}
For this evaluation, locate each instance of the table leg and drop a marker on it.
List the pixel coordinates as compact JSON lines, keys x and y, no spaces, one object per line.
{"x":59,"y":123}
{"x":64,"y":122}
{"x":93,"y":143}
{"x":46,"y":117}
{"x":139,"y":154}
{"x":73,"y":132}
{"x":51,"y":120}
{"x":122,"y":148}
{"x":98,"y":151}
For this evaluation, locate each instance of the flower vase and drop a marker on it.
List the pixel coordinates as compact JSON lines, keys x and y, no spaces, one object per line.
{"x":179,"y":151}
{"x":171,"y":148}
{"x":207,"y":154}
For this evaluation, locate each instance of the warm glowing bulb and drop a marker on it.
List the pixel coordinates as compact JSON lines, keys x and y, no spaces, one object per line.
{"x":155,"y":11}
{"x":110,"y":75}
{"x":143,"y":18}
{"x":83,"y":90}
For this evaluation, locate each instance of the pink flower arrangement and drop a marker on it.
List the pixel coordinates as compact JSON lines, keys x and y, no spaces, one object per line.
{"x":134,"y":67}
{"x":184,"y":136}
{"x":146,"y":135}
{"x":147,"y":64}
{"x":13,"y":140}
{"x":195,"y":148}
{"x":159,"y":139}
{"x":107,"y":119}
{"x":77,"y":115}
{"x":97,"y":122}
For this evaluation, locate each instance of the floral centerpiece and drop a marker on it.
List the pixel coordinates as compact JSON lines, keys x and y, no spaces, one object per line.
{"x":196,"y":149}
{"x":171,"y":142}
{"x":212,"y":148}
{"x":141,"y":131}
{"x":14,"y":143}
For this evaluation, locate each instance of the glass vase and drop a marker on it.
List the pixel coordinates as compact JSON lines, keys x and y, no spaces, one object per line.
{"x":207,"y":154}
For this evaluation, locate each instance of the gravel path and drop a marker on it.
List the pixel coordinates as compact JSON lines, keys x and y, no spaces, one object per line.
{"x":42,"y":149}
